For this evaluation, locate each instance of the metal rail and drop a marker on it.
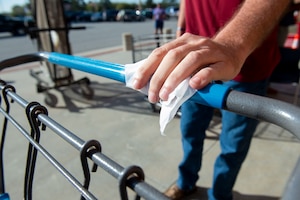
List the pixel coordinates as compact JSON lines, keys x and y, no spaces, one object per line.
{"x":132,"y":176}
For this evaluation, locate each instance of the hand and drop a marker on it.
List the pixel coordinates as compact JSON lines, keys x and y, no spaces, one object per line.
{"x":198,"y":57}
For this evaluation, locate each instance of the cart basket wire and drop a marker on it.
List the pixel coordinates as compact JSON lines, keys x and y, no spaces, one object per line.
{"x":270,"y":110}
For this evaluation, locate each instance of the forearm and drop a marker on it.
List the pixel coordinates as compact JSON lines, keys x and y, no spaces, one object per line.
{"x":251,"y":25}
{"x":181,"y":19}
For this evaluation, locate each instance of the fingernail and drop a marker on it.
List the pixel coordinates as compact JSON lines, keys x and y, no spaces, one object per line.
{"x":195,"y":82}
{"x":163,"y":94}
{"x":135,"y":84}
{"x":152,"y":97}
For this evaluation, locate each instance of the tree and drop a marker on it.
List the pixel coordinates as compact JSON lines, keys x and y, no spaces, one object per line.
{"x":77,"y":5}
{"x":166,"y":3}
{"x":170,"y":2}
{"x":18,"y":11}
{"x":120,"y":6}
{"x":105,"y":4}
{"x":149,"y":4}
{"x":93,"y":7}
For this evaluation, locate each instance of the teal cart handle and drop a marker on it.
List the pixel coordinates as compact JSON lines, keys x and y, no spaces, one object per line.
{"x":4,"y":196}
{"x":97,"y":67}
{"x":213,"y":95}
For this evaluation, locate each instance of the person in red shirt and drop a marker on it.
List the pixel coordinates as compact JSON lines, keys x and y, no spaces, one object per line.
{"x":233,"y":41}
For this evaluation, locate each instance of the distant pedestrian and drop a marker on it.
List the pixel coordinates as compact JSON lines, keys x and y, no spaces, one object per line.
{"x":159,"y":16}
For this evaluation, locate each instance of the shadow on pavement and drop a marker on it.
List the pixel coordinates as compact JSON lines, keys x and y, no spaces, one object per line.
{"x":202,"y":194}
{"x":106,"y":95}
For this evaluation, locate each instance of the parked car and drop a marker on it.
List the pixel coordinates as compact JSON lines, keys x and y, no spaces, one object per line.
{"x":148,"y":13}
{"x":71,"y":16}
{"x":172,"y":11}
{"x":129,"y":15}
{"x":97,"y":17}
{"x":84,"y":17}
{"x":15,"y":25}
{"x":109,"y":15}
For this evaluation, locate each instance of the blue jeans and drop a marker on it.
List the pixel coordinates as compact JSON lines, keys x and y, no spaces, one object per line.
{"x":235,"y":140}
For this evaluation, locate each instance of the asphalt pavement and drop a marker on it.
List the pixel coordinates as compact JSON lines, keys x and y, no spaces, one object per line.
{"x":128,"y":130}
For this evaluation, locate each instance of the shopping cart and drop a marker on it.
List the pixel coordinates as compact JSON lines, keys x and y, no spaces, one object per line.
{"x":52,"y":34}
{"x":277,"y":112}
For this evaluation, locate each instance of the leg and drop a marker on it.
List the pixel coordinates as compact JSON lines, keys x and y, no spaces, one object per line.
{"x":235,"y":139}
{"x":195,"y":120}
{"x":156,"y":24}
{"x":162,"y":27}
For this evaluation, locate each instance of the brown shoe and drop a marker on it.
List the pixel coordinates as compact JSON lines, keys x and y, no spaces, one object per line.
{"x":175,"y":193}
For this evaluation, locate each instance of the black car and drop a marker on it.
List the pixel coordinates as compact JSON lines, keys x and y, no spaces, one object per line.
{"x":84,"y":17}
{"x":16,"y":26}
{"x":71,"y":16}
{"x":109,"y":15}
{"x":147,"y":13}
{"x":97,"y":17}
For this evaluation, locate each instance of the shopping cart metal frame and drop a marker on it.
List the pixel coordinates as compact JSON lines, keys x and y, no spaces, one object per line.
{"x":52,"y":34}
{"x":274,"y":111}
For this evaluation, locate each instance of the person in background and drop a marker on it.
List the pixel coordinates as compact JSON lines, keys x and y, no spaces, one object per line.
{"x":159,"y":16}
{"x":287,"y":68}
{"x":242,"y":51}
{"x":290,"y":18}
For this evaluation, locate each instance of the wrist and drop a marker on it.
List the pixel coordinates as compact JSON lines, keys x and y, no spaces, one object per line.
{"x":180,"y":29}
{"x":234,"y":44}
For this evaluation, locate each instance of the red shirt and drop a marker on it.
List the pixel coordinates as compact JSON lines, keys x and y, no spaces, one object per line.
{"x":206,"y":17}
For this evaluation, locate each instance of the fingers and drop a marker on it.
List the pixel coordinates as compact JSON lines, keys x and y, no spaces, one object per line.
{"x":202,"y":78}
{"x":169,"y":73}
{"x":220,"y":71}
{"x":157,"y":67}
{"x":188,"y":66}
{"x":187,"y":56}
{"x":150,"y":65}
{"x":153,"y":62}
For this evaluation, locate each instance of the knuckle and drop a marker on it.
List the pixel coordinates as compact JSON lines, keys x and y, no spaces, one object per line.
{"x":174,"y":53}
{"x":159,"y":52}
{"x":195,"y":55}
